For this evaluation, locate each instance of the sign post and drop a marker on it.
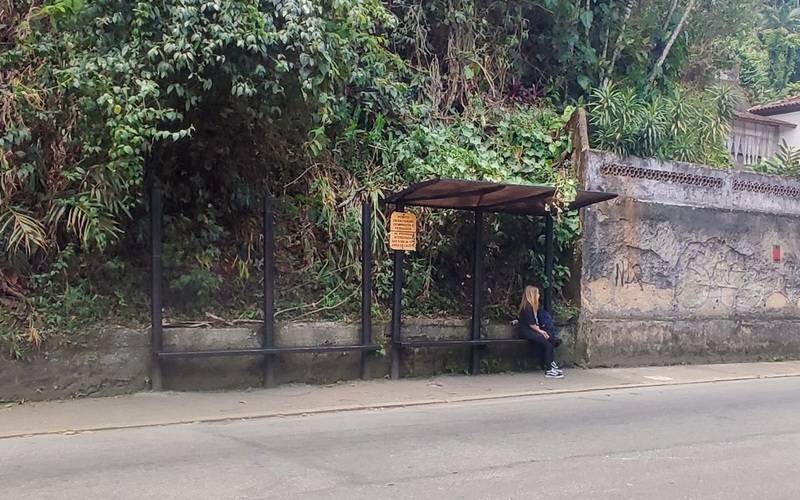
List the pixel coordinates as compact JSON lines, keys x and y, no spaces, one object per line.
{"x":403,"y":231}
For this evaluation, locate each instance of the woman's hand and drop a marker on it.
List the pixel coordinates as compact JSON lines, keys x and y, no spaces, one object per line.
{"x":541,"y":332}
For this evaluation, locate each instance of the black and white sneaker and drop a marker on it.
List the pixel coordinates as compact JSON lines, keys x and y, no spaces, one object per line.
{"x":553,"y":374}
{"x":554,"y":367}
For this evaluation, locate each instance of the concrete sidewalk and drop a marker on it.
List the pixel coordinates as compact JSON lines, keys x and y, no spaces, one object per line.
{"x":166,"y":408}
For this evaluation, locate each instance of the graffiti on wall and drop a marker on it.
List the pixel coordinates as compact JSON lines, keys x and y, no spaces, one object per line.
{"x":627,"y":273}
{"x":709,"y":276}
{"x":713,"y":275}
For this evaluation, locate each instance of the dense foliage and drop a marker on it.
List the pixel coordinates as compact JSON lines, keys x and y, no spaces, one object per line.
{"x":326,"y":104}
{"x":769,"y":58}
{"x":786,"y":162}
{"x":682,"y":125}
{"x":121,"y":85}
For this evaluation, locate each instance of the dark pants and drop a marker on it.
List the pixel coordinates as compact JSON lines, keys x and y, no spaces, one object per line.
{"x":547,"y":346}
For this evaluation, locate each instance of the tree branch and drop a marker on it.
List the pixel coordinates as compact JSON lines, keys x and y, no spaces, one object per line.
{"x":618,"y":43}
{"x":668,"y":19}
{"x":671,"y":42}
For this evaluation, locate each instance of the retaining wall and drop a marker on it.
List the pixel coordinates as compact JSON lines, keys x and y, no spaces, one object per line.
{"x":120,"y":360}
{"x":690,"y":264}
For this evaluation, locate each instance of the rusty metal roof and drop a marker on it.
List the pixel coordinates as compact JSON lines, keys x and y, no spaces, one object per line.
{"x":488,"y":196}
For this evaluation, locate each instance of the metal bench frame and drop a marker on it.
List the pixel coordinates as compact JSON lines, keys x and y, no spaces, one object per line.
{"x":268,"y":349}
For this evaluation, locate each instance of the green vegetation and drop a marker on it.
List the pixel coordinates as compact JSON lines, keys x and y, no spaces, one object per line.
{"x":769,"y":58}
{"x":682,"y":125}
{"x":786,"y":162}
{"x":326,"y":104}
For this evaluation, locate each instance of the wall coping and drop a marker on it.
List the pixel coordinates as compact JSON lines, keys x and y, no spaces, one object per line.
{"x":689,"y":184}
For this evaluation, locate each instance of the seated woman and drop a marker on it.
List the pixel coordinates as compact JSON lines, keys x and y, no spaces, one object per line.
{"x":537,"y":327}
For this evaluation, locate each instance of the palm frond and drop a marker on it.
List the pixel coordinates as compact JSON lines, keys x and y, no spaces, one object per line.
{"x":20,"y":230}
{"x":785,"y":162}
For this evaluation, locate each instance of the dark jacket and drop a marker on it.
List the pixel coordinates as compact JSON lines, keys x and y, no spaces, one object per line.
{"x":542,"y":318}
{"x":547,"y":323}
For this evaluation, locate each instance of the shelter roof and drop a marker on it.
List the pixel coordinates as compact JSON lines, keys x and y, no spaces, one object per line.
{"x":489,"y":196}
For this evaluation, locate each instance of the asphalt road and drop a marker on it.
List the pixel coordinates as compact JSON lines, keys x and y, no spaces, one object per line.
{"x":708,"y":441}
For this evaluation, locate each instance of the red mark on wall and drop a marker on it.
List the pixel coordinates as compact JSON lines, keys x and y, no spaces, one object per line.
{"x":776,"y":253}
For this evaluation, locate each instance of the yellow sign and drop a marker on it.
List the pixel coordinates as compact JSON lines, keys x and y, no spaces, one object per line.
{"x":403,"y":231}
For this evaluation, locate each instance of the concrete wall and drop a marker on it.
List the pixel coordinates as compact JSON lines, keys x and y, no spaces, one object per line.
{"x":680,"y":267}
{"x":119,"y":362}
{"x":222,"y":373}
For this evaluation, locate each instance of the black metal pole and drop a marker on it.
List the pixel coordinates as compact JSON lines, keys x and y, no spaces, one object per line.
{"x":548,"y":262}
{"x":397,"y":304}
{"x":269,"y":288}
{"x":366,"y":283}
{"x":477,"y":285}
{"x":156,"y":298}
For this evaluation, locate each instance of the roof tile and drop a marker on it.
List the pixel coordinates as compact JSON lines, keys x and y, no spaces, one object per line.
{"x":777,"y":107}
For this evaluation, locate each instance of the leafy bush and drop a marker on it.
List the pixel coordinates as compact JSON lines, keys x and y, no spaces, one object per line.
{"x":501,"y":143}
{"x":785,"y":162}
{"x":218,"y":102}
{"x":769,"y":63}
{"x":682,"y":125}
{"x":127,"y":82}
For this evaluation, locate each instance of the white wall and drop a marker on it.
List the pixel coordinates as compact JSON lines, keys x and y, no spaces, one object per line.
{"x":790,"y":135}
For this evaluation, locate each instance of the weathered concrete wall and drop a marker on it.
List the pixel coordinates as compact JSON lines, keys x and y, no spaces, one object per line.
{"x":221,"y":373}
{"x":680,"y":267}
{"x":119,"y":362}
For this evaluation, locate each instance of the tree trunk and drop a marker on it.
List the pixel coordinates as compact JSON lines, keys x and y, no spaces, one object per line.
{"x":668,"y":19}
{"x":588,"y":8}
{"x":671,"y":42}
{"x":618,"y":43}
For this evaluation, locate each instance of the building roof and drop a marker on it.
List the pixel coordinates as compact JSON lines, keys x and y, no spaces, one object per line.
{"x":489,"y":196}
{"x":765,"y":120}
{"x":777,"y":107}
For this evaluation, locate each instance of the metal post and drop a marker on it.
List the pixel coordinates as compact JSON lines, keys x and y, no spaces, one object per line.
{"x":269,"y":288}
{"x":548,"y":262}
{"x":156,"y":298}
{"x":366,"y":283}
{"x":477,"y":285}
{"x":397,"y":304}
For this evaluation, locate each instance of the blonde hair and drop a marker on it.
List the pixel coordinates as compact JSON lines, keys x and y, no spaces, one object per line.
{"x":530,"y":298}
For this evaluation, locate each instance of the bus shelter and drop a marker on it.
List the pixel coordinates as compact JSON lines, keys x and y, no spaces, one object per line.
{"x":478,"y":197}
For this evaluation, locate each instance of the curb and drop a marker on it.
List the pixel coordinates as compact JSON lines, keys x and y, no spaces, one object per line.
{"x":388,"y":405}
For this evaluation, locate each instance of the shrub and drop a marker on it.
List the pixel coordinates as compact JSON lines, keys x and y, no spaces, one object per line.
{"x":683,"y":125}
